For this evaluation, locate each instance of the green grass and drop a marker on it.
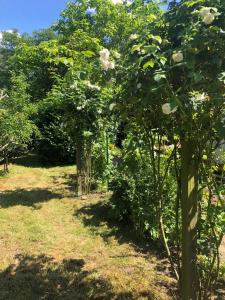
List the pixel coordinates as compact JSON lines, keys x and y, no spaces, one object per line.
{"x":56,"y":246}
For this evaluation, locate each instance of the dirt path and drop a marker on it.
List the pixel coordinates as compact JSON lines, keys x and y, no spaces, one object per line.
{"x":55,"y":246}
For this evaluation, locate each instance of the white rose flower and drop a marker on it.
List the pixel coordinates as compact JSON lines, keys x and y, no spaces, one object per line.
{"x":79,"y":107}
{"x":104,"y":54}
{"x":177,"y":57}
{"x":208,"y":14}
{"x":139,"y":85}
{"x":104,"y":59}
{"x":166,"y":109}
{"x":204,"y":11}
{"x":209,"y":18}
{"x":108,"y":65}
{"x":105,"y":65}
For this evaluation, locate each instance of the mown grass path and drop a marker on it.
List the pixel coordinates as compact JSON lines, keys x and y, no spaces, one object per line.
{"x":56,"y":246}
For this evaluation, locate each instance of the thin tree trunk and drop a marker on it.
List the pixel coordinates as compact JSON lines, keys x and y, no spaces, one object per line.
{"x":189,"y":206}
{"x":79,"y":159}
{"x":7,"y":163}
{"x":83,"y":168}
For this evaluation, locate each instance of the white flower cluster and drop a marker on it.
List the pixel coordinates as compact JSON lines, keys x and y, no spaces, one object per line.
{"x":208,"y":14}
{"x":92,"y":86}
{"x":167,"y":110}
{"x":82,"y":106}
{"x":104,"y":59}
{"x":199,"y":97}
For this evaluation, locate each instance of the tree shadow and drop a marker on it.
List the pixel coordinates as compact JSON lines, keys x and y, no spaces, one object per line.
{"x":66,"y":185}
{"x":41,"y":277}
{"x":30,"y":160}
{"x":33,"y":160}
{"x":96,"y":217}
{"x":24,"y":197}
{"x":71,"y":181}
{"x":2,"y":172}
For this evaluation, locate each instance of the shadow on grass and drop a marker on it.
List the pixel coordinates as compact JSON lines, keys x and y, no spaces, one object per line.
{"x":26,"y":197}
{"x":96,"y":217}
{"x":40,"y":277}
{"x":34,"y":160}
{"x":3,"y":173}
{"x":69,"y":180}
{"x":30,"y":160}
{"x":66,"y":185}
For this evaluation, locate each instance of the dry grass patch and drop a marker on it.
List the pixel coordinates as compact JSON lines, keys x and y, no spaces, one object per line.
{"x":56,"y":246}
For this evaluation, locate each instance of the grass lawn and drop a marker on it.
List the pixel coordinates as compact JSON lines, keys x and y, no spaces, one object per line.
{"x":56,"y":246}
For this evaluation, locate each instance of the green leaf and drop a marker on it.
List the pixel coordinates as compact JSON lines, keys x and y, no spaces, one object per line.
{"x":174,"y":101}
{"x":151,"y":49}
{"x":88,"y":53}
{"x":149,"y":63}
{"x":163,"y":60}
{"x":191,"y":3}
{"x":155,"y":38}
{"x":159,"y":76}
{"x":136,"y":48}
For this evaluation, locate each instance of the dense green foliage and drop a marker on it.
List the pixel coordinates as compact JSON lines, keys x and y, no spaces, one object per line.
{"x":149,"y":81}
{"x":16,"y":127}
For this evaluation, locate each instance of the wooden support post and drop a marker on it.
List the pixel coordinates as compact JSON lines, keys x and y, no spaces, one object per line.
{"x":189,"y":206}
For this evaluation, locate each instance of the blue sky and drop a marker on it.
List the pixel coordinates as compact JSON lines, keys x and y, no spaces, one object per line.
{"x":29,"y":15}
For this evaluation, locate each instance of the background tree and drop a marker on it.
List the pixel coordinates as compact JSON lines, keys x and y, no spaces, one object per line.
{"x":17,"y":129}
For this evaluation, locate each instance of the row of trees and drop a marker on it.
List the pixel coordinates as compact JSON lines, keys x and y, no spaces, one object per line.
{"x":135,"y":95}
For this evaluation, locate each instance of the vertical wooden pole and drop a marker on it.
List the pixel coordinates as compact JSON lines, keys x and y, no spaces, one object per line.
{"x":189,"y":206}
{"x":107,"y":156}
{"x":79,"y":158}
